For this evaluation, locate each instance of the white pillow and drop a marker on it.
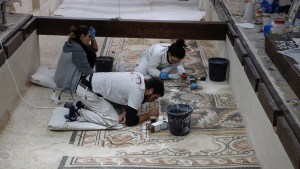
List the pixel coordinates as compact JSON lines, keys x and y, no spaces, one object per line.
{"x":44,"y":77}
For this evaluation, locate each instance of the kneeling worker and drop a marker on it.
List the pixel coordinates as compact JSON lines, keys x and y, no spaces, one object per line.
{"x":128,"y":89}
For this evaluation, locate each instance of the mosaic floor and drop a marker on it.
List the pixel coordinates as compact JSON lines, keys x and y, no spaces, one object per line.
{"x":217,"y":137}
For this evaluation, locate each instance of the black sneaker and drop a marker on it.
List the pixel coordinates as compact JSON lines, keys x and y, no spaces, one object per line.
{"x":72,"y":114}
{"x":79,"y":105}
{"x":68,"y":105}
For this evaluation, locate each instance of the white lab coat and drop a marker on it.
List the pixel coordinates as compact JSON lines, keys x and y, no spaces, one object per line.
{"x":154,"y":60}
{"x":98,"y":110}
{"x":124,"y":88}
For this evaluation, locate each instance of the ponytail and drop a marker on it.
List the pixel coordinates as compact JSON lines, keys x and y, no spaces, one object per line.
{"x":177,"y":49}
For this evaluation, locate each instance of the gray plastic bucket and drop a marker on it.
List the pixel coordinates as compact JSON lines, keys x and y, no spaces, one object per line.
{"x":179,"y":119}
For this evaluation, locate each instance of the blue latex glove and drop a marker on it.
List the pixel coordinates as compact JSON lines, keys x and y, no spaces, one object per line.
{"x":164,"y":75}
{"x":93,"y":33}
{"x":194,"y":86}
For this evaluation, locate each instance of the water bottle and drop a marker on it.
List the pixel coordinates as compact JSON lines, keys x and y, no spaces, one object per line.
{"x":121,"y":66}
{"x":113,"y":55}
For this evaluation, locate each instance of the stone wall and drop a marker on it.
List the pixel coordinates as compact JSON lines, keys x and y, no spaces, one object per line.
{"x":21,"y":69}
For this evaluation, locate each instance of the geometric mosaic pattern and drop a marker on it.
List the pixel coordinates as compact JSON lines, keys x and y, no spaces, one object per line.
{"x":217,"y":137}
{"x":238,"y":152}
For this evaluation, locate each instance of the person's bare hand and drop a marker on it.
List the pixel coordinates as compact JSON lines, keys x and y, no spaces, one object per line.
{"x":122,"y":118}
{"x":153,"y":112}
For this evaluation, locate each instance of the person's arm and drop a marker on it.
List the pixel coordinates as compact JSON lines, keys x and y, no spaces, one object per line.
{"x":80,"y":60}
{"x":94,"y":44}
{"x":131,"y":118}
{"x":154,"y":62}
{"x":152,"y":112}
{"x":180,"y":68}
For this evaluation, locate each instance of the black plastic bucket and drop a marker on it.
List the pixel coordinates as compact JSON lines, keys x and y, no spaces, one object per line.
{"x":179,"y":119}
{"x":217,"y":69}
{"x":104,"y":64}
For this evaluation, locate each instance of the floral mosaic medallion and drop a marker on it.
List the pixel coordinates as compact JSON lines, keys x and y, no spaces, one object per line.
{"x":217,"y":137}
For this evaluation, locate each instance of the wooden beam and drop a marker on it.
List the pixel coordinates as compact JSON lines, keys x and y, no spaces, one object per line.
{"x":136,"y":28}
{"x":23,"y":21}
{"x":13,"y":43}
{"x":251,"y":73}
{"x":289,"y":141}
{"x":268,"y":104}
{"x":28,"y":28}
{"x":231,"y":34}
{"x":240,"y":50}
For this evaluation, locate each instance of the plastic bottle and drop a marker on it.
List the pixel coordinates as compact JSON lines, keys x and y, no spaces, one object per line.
{"x":121,"y":66}
{"x":113,"y":55}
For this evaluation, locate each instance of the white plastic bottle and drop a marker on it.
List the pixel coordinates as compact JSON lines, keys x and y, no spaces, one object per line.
{"x":113,"y":55}
{"x":121,"y":66}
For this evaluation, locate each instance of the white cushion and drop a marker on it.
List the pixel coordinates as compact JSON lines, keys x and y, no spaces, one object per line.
{"x":44,"y":77}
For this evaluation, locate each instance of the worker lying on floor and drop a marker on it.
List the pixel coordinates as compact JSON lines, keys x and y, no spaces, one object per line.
{"x":163,"y":60}
{"x":128,"y":89}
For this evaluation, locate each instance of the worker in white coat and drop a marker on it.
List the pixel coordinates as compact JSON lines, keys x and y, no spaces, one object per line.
{"x":163,"y":60}
{"x":128,"y":89}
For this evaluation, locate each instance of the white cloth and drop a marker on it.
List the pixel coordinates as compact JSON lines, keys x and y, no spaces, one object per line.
{"x":99,"y":110}
{"x":58,"y":122}
{"x":124,"y":88}
{"x":154,"y":60}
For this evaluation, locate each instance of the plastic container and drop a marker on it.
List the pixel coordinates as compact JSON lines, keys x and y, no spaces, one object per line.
{"x":121,"y":65}
{"x":217,"y":68}
{"x":267,"y":29}
{"x":278,"y":26}
{"x":258,"y":26}
{"x":179,"y":119}
{"x":104,"y":64}
{"x":113,"y":55}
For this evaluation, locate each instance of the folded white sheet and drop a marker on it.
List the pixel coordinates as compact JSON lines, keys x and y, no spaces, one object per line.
{"x":58,"y":122}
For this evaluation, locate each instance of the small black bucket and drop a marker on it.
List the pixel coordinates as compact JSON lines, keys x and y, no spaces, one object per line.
{"x":104,"y":64}
{"x":179,"y":119}
{"x":217,"y":69}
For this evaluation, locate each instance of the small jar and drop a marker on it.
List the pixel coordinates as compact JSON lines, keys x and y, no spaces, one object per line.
{"x":279,"y":26}
{"x":258,"y":26}
{"x":259,"y":13}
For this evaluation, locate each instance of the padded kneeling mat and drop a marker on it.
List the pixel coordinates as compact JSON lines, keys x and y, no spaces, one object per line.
{"x":59,"y":122}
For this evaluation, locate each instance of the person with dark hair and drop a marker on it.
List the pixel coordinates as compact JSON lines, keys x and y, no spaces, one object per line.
{"x":163,"y":60}
{"x":128,"y":90}
{"x":77,"y":59}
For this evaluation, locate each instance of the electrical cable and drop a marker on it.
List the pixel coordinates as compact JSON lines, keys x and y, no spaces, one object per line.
{"x":16,"y":85}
